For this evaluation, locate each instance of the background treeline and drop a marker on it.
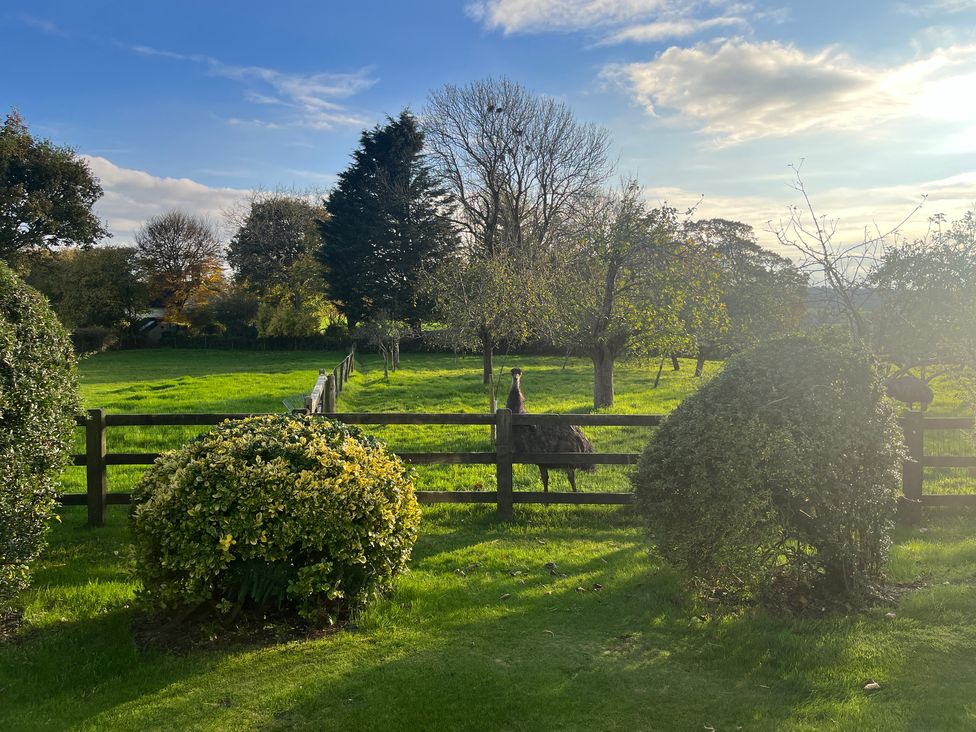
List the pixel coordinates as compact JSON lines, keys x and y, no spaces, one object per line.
{"x":498,"y":224}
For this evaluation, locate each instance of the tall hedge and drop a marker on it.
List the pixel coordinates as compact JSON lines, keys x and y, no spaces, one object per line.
{"x":777,"y":481}
{"x":38,"y":401}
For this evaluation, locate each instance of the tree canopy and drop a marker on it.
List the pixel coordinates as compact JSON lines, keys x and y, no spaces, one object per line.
{"x":46,"y":193}
{"x":179,"y":257}
{"x":90,"y":287}
{"x":762,"y":292}
{"x":629,"y":283}
{"x":275,"y":242}
{"x":386,"y":224}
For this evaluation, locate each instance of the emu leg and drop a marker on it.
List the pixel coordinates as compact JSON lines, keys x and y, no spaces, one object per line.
{"x":544,"y":472}
{"x":571,"y":474}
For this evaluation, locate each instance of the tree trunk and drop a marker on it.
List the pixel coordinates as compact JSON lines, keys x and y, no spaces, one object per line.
{"x":396,"y":354}
{"x":657,"y":379}
{"x":700,"y":363}
{"x":602,"y":377}
{"x":487,"y":349}
{"x":674,"y":363}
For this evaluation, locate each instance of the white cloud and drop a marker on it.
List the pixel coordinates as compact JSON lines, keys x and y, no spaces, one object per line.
{"x":132,"y":196}
{"x":738,"y":90}
{"x":664,"y":29}
{"x":937,"y":7}
{"x":311,"y":98}
{"x":855,"y":210}
{"x":618,"y":21}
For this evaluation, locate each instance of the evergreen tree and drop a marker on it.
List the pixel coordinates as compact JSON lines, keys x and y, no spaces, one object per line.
{"x":387,"y":222}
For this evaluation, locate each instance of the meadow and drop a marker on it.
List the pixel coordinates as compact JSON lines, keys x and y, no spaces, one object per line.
{"x":480,"y":634}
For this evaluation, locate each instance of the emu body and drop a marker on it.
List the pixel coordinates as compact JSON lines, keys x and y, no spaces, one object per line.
{"x":546,"y":438}
{"x":909,"y":389}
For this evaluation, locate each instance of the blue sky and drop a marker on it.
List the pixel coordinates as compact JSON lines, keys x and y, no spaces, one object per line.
{"x":191,"y":104}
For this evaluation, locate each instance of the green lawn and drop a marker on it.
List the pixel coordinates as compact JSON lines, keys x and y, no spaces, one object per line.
{"x":479,"y":634}
{"x":201,"y":381}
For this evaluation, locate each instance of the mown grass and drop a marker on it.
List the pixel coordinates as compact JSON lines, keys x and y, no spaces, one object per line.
{"x":209,"y":381}
{"x":480,"y":634}
{"x":448,"y":650}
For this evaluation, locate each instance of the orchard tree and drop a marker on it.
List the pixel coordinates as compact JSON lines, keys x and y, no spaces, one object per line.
{"x":925,"y":307}
{"x":46,"y":194}
{"x":386,"y":224}
{"x":518,"y":167}
{"x":179,"y":257}
{"x":762,"y":292}
{"x":911,"y":303}
{"x":485,"y":302}
{"x":630,"y":284}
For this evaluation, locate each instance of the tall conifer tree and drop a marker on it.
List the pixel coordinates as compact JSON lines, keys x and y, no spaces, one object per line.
{"x":387,"y":221}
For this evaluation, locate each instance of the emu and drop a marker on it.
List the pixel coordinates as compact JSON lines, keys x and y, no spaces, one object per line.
{"x":546,"y":438}
{"x":909,"y":389}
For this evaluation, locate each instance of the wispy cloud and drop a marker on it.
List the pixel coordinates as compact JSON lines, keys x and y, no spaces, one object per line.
{"x":613,"y":21}
{"x":937,"y":7}
{"x":737,"y":91}
{"x":312,"y":98}
{"x":43,"y":25}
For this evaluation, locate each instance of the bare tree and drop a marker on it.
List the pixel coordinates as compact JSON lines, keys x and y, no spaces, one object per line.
{"x":844,"y":269}
{"x":179,"y":255}
{"x":516,"y":163}
{"x":517,"y":166}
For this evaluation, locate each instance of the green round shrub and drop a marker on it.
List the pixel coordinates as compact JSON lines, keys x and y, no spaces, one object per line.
{"x":778,"y":480}
{"x":38,"y":402}
{"x":274,"y":512}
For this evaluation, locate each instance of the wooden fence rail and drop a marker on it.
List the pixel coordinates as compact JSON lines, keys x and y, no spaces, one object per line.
{"x":96,"y":458}
{"x":325,"y":394}
{"x":915,"y":425}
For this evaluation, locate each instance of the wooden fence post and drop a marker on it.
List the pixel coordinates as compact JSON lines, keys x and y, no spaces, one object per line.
{"x":913,"y":473}
{"x":330,"y":394}
{"x":96,"y":474}
{"x":503,"y":463}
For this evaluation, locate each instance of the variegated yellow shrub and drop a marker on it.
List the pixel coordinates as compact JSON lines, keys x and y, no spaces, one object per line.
{"x":274,"y":511}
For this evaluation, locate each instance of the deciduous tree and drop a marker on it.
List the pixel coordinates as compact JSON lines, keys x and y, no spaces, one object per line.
{"x":46,"y":193}
{"x":179,"y":256}
{"x":90,"y":287}
{"x":518,"y":167}
{"x":629,"y":283}
{"x":763,"y":293}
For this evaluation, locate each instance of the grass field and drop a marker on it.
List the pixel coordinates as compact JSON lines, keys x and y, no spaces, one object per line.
{"x":201,"y":381}
{"x":479,"y":634}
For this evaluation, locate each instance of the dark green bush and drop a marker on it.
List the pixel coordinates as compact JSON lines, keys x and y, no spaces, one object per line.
{"x":777,"y":481}
{"x":38,"y":402}
{"x":274,"y":512}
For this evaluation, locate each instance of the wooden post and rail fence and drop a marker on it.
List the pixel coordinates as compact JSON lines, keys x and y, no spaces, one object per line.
{"x":96,"y":458}
{"x":325,"y":394}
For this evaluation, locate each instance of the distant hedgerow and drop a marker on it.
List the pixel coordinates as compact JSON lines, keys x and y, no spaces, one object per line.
{"x":777,"y":481}
{"x":38,"y":403}
{"x":274,"y":512}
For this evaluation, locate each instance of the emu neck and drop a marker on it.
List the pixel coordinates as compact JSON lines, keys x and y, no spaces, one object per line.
{"x":516,"y":400}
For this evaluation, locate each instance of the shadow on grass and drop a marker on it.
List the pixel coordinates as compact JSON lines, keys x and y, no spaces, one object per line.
{"x":482,"y":634}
